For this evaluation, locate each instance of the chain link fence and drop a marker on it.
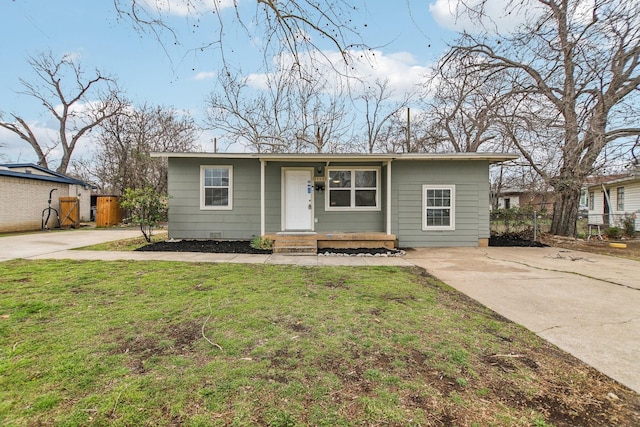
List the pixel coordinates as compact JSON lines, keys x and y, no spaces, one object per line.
{"x":527,"y":224}
{"x":524,"y":224}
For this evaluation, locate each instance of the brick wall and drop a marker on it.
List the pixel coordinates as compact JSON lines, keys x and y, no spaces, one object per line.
{"x":23,"y":200}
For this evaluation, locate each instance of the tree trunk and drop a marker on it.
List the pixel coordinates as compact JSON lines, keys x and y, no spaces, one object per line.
{"x":565,"y":211}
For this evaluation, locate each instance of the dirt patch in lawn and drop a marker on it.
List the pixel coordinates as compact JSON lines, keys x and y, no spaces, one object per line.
{"x":631,"y":251}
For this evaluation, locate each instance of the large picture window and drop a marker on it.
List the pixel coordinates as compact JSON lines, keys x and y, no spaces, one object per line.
{"x":216,"y":187}
{"x":353,"y":188}
{"x":438,"y":207}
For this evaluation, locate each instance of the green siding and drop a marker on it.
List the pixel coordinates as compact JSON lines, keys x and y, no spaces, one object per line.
{"x":188,"y":221}
{"x":471,"y":178}
{"x":471,"y":204}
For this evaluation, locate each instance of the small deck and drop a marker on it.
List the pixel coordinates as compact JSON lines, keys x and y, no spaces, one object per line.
{"x":310,"y":242}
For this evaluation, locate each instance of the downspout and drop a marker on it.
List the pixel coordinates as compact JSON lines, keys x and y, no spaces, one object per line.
{"x":263,"y":164}
{"x":389,"y":196}
{"x":608,"y":202}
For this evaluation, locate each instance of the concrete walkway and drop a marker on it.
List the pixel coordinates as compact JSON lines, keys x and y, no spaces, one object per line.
{"x":586,"y":304}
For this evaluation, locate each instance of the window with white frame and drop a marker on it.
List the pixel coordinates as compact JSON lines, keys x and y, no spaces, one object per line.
{"x":438,"y":207}
{"x":592,"y":200}
{"x":216,"y":187}
{"x":353,"y":189}
{"x":620,"y":198}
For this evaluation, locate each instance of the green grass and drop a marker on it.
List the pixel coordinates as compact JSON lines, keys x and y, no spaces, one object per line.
{"x":160,"y":343}
{"x":126,"y":244}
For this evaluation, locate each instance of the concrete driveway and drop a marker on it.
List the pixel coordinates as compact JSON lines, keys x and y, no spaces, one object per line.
{"x":43,"y":243}
{"x":586,"y":304}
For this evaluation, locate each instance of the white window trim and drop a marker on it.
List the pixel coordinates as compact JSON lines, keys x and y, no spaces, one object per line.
{"x":452,"y":225}
{"x":202,"y":192}
{"x":618,"y":199}
{"x":353,"y":207}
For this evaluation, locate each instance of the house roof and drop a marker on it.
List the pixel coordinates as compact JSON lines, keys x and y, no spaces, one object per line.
{"x":36,"y":172}
{"x":598,"y":181}
{"x":327,"y":157}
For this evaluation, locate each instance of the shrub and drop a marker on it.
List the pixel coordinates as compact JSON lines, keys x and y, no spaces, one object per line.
{"x":613,"y":233}
{"x":260,"y":242}
{"x":629,"y":225}
{"x":146,"y":208}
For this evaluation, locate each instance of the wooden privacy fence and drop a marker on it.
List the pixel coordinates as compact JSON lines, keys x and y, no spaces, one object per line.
{"x":108,"y":211}
{"x":69,"y":212}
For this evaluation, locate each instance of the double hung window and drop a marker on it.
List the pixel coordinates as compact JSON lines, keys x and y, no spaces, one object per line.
{"x":438,"y":204}
{"x":216,"y":187}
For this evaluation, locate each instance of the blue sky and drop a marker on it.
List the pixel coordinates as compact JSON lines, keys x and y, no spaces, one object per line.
{"x":407,"y":36}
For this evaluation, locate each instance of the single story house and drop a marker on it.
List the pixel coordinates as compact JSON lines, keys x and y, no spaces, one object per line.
{"x":611,"y":199}
{"x":25,"y":189}
{"x":306,"y":201}
{"x":516,"y":198}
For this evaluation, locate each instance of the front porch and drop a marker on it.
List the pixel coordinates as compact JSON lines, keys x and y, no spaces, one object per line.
{"x":310,"y":242}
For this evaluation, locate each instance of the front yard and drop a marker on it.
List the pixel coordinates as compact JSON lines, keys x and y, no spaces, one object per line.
{"x":159,"y":343}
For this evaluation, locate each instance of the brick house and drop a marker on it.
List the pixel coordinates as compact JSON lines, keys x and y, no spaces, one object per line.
{"x":24,"y":193}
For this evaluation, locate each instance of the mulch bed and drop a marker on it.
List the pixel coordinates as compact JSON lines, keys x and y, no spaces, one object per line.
{"x":241,"y":247}
{"x":514,"y":239}
{"x":209,"y":246}
{"x":244,"y":246}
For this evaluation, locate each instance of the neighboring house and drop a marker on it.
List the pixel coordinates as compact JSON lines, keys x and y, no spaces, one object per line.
{"x":24,"y":194}
{"x":515,"y":198}
{"x":610,"y":199}
{"x":414,"y":200}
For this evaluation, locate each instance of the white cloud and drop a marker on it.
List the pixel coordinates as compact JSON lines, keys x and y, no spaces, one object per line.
{"x":185,"y":7}
{"x":401,"y":69}
{"x":205,"y":75}
{"x":498,"y":15}
{"x":16,"y":150}
{"x":72,"y":56}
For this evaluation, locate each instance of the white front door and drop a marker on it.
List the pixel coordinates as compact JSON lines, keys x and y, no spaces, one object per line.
{"x":297,"y":200}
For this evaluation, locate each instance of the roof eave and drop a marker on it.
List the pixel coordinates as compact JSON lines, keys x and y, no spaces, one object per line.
{"x":274,"y":157}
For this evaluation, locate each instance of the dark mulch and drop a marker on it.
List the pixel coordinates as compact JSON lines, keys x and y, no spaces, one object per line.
{"x":240,"y":247}
{"x":514,"y":239}
{"x":244,"y":246}
{"x":209,"y":246}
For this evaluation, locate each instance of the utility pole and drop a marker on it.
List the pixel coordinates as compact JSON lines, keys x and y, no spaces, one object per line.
{"x":408,"y":129}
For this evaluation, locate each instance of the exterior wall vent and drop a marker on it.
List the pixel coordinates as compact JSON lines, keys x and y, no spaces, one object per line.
{"x":215,"y":235}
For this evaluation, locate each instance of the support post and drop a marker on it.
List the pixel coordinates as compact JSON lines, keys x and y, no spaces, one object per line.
{"x":263,"y":164}
{"x":389,"y":197}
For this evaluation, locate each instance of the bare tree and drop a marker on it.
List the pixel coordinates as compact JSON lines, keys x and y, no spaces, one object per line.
{"x":77,"y":103}
{"x":293,"y":26}
{"x":323,"y":123}
{"x":379,"y":113}
{"x":255,"y":119}
{"x":291,"y":111}
{"x":125,"y":141}
{"x":578,"y":64}
{"x":464,"y":107}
